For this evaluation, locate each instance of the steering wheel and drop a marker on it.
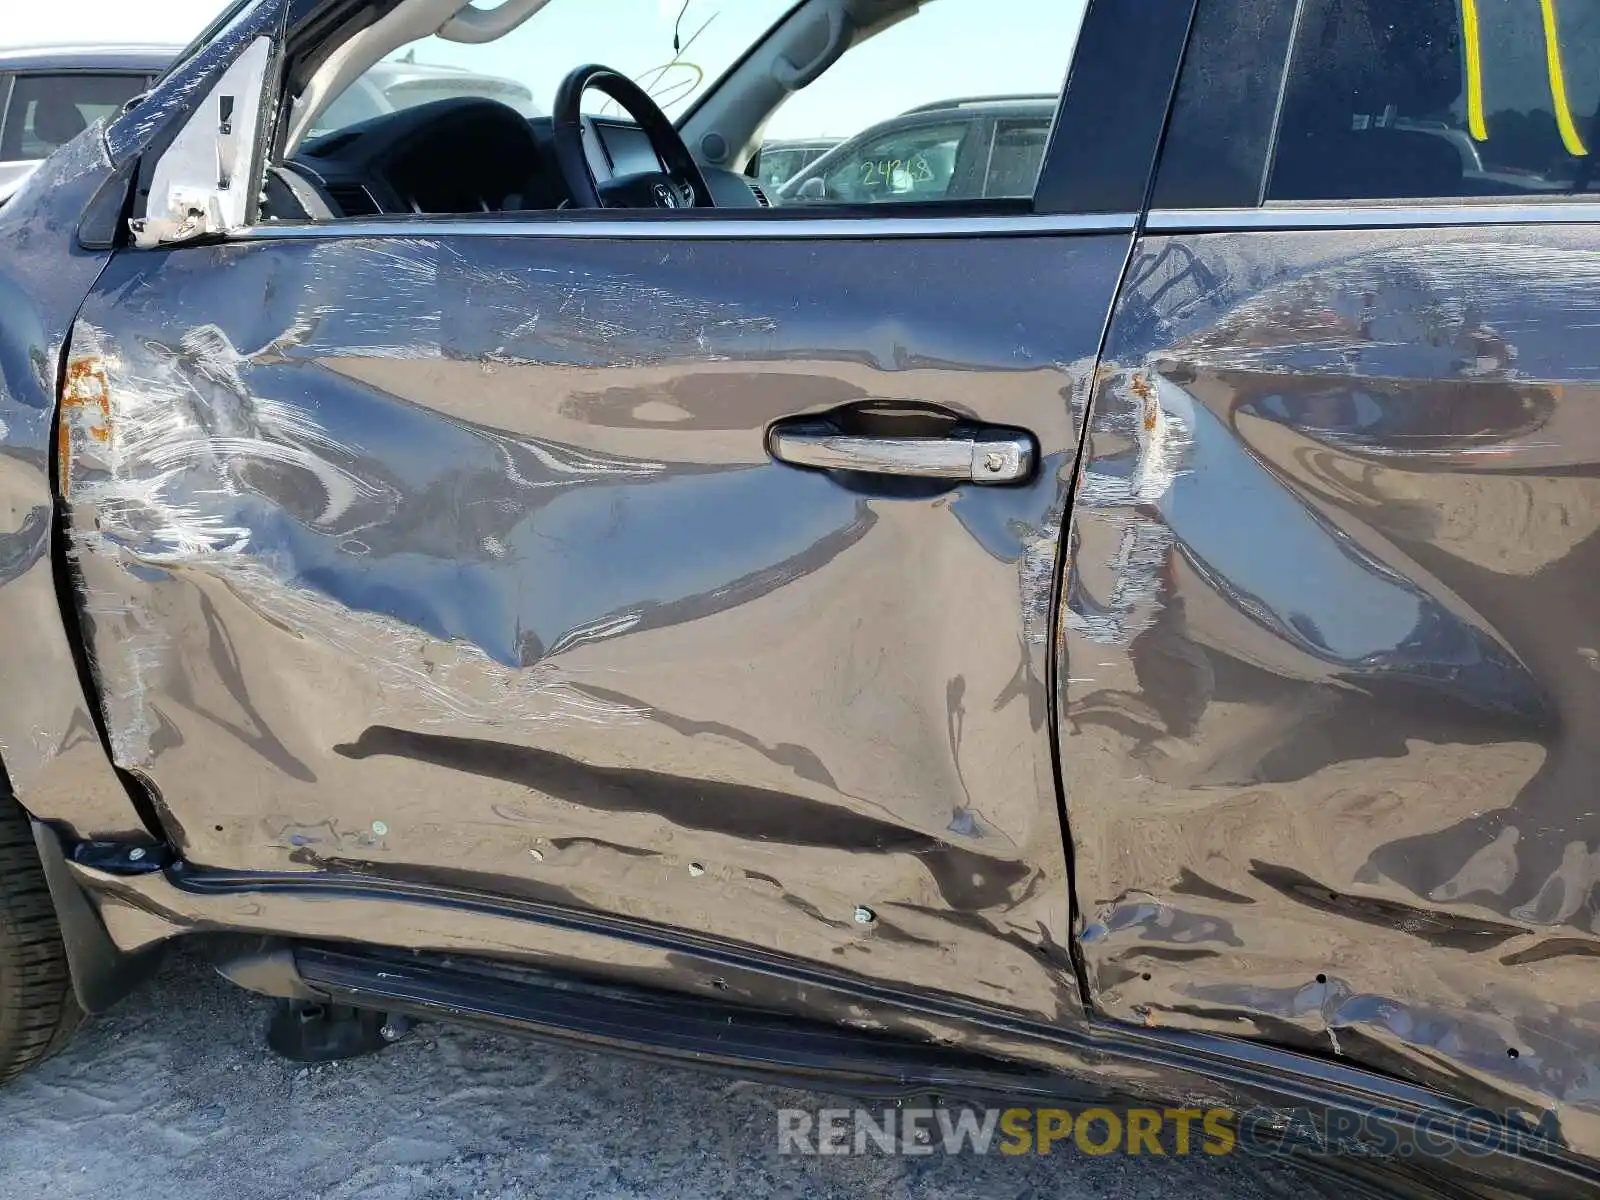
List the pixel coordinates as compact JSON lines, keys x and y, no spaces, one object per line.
{"x":681,"y":185}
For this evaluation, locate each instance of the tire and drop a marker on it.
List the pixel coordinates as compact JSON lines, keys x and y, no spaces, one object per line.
{"x":37,"y":1009}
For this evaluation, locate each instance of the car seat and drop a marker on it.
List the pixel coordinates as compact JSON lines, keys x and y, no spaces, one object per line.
{"x":57,"y":121}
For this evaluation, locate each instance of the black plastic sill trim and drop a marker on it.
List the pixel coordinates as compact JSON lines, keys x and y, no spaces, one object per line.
{"x":1293,"y":1079}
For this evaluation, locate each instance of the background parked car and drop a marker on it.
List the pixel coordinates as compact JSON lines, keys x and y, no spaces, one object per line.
{"x":780,"y":161}
{"x":1128,"y":643}
{"x":968,"y":148}
{"x":50,"y":94}
{"x":391,"y":86}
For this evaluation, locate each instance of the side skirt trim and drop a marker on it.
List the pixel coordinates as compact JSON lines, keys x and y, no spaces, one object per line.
{"x":697,"y":1030}
{"x":1198,"y":1070}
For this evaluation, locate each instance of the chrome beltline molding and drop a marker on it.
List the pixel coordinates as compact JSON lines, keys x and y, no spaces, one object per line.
{"x":1159,"y":220}
{"x":676,"y":228}
{"x":1360,"y":216}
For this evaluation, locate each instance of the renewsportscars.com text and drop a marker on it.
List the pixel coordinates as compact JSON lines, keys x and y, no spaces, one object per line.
{"x":1157,"y":1131}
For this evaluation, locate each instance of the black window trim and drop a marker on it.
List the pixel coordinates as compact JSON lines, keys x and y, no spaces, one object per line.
{"x":8,"y":84}
{"x":1284,"y":68}
{"x":991,"y":131}
{"x":1103,"y":146}
{"x":1187,"y":178}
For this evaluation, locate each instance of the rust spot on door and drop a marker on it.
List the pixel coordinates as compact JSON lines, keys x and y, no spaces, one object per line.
{"x":85,"y":409}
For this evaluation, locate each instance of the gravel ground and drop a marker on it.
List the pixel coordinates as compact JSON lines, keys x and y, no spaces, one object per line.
{"x":174,"y":1095}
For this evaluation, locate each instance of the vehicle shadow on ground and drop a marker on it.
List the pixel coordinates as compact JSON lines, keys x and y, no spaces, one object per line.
{"x":174,"y":1094}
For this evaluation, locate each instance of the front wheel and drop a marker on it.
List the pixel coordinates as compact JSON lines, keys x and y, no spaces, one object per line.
{"x":37,"y":1009}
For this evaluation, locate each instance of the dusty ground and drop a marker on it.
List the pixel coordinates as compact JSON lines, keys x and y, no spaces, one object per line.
{"x":174,"y":1095}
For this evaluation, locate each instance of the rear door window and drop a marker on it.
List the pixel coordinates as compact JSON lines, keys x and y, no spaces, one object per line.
{"x":909,"y":164}
{"x":779,"y":164}
{"x":1389,"y":99}
{"x":49,"y":110}
{"x":1015,"y":157}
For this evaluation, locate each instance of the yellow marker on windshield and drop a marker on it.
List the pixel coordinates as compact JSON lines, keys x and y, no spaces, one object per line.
{"x":1558,"y":81}
{"x":1476,"y":125}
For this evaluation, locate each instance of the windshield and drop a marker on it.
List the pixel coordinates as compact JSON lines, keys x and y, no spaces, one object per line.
{"x":674,"y":49}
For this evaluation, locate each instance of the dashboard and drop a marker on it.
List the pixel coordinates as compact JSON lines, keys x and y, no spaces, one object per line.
{"x":625,"y":147}
{"x":459,"y":156}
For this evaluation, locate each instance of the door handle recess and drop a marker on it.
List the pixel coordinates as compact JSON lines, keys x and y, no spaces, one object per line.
{"x":972,"y":456}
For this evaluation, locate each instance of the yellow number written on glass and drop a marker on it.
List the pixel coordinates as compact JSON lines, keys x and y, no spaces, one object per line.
{"x":888,"y":171}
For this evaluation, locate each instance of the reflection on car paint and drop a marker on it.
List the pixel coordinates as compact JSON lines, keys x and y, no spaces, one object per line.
{"x":1323,"y":654}
{"x":477,"y":542}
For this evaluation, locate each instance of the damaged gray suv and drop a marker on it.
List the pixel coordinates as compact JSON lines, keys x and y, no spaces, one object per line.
{"x":1129,"y":633}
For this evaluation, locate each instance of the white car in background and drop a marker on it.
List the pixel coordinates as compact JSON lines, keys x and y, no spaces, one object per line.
{"x":50,"y":94}
{"x":393,"y":85}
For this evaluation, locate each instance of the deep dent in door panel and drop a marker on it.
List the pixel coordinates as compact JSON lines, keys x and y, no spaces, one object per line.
{"x":54,"y":757}
{"x":1331,"y":658}
{"x":52,"y":753}
{"x":462,"y":560}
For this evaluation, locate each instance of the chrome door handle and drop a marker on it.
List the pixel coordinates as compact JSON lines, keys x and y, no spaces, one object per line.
{"x":973,"y":456}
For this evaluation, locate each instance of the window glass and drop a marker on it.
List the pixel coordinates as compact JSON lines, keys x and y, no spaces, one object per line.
{"x":947,"y":100}
{"x":407,"y":92}
{"x":392,"y":86}
{"x":782,"y":161}
{"x":47,"y":111}
{"x":917,"y":163}
{"x":359,"y":102}
{"x":1392,"y":99}
{"x":918,"y":107}
{"x":674,"y":50}
{"x":1015,"y":158}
